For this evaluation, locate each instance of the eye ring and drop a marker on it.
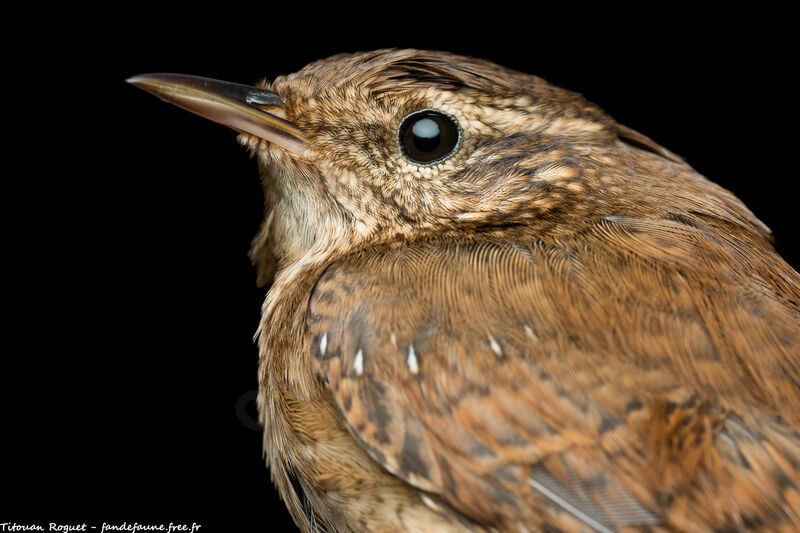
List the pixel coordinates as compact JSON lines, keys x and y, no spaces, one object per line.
{"x":427,"y":137}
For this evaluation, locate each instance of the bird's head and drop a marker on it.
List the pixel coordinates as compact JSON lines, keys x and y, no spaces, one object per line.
{"x":403,"y":144}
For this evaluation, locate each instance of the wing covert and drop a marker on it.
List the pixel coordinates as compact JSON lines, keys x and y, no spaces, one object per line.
{"x":518,"y":383}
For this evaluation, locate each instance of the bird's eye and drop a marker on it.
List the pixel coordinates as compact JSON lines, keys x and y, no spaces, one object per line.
{"x":428,"y":136}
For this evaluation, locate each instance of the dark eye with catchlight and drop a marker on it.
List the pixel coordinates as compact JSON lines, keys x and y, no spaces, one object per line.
{"x":428,"y":136}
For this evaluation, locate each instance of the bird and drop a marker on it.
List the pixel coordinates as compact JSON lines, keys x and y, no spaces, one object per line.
{"x":493,"y":308}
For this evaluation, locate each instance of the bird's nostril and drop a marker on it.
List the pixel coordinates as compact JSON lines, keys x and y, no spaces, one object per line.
{"x":263,"y":97}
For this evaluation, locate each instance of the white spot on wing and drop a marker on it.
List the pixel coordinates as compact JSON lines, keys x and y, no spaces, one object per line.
{"x":393,"y":338}
{"x":430,"y":503}
{"x":529,"y":332}
{"x":323,"y":344}
{"x":359,"y":362}
{"x":413,"y":364}
{"x":494,"y":346}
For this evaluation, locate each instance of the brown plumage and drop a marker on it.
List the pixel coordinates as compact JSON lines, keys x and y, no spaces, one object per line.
{"x":562,"y":327}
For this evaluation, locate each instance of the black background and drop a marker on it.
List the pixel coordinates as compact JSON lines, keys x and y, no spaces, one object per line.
{"x":130,"y":398}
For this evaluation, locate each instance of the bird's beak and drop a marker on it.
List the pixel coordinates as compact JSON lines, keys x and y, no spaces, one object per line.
{"x":241,"y":107}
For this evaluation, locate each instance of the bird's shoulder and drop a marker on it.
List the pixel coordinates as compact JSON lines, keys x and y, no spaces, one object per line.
{"x":531,"y":381}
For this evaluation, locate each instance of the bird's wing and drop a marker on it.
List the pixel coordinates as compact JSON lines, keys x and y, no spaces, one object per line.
{"x":624,"y":377}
